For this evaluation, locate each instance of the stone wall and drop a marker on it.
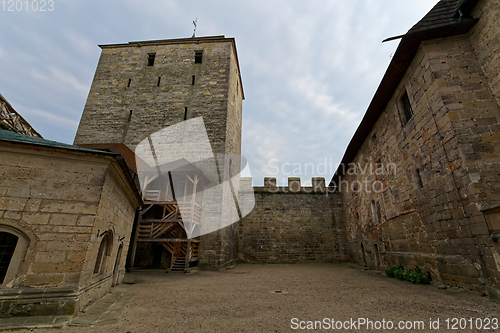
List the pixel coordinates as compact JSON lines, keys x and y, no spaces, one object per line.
{"x":293,"y":224}
{"x":130,"y":100}
{"x":60,"y":204}
{"x":485,"y":39}
{"x":416,"y":192}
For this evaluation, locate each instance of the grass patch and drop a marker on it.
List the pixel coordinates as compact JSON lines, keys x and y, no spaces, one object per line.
{"x":415,"y":275}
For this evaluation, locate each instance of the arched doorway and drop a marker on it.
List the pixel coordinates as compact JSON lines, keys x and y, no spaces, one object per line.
{"x":116,"y":269}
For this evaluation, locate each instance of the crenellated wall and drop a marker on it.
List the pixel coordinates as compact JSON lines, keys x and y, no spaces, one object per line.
{"x":293,"y":223}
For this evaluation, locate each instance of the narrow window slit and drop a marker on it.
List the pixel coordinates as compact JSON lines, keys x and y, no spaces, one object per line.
{"x":158,"y":83}
{"x":192,"y":80}
{"x":129,"y":82}
{"x":185,"y":113}
{"x":151,"y":59}
{"x":408,"y":111}
{"x":198,"y":55}
{"x":418,"y":175}
{"x":129,"y":118}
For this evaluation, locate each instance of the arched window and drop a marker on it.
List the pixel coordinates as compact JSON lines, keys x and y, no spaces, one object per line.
{"x":8,"y":243}
{"x":103,"y":254}
{"x":13,"y":248}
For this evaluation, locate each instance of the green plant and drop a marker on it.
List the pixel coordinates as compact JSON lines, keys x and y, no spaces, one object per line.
{"x":390,"y":271}
{"x":415,"y":275}
{"x":402,"y":273}
{"x":418,"y":276}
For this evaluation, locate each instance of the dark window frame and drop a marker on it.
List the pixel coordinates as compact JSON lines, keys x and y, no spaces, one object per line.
{"x":151,"y":59}
{"x":407,"y":111}
{"x":198,"y":57}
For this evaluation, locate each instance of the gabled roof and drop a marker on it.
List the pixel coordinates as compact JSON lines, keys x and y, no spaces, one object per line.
{"x":13,"y":121}
{"x":445,"y":13}
{"x":447,"y":18}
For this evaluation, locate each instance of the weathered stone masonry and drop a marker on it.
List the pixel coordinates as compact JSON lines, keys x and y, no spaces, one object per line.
{"x":292,"y":224}
{"x":61,"y":204}
{"x":428,"y":212}
{"x":131,"y":99}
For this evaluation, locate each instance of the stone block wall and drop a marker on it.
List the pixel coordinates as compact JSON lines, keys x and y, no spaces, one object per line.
{"x":415,"y":191}
{"x":292,"y":224}
{"x":119,"y":111}
{"x":58,"y":204}
{"x":131,"y":99}
{"x":485,"y":39}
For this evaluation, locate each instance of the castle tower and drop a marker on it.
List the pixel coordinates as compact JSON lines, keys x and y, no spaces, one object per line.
{"x":140,"y":88}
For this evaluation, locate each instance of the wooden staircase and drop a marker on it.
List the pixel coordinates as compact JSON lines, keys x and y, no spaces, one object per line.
{"x":179,"y":265}
{"x":166,"y":217}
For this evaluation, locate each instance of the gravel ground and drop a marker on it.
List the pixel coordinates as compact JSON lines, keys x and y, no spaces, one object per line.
{"x":265,"y":298}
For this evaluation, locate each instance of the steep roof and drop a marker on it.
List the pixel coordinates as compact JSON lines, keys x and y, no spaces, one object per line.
{"x":13,"y":121}
{"x":447,"y":18}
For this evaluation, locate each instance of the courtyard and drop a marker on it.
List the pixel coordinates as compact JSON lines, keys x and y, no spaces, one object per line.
{"x":279,"y":298}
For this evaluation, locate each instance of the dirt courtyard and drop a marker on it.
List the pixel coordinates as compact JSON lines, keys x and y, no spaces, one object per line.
{"x":245,"y":299}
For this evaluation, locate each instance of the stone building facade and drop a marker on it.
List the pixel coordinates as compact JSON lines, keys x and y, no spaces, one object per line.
{"x":66,"y":215}
{"x":420,"y":178}
{"x":140,"y":88}
{"x":418,"y":184}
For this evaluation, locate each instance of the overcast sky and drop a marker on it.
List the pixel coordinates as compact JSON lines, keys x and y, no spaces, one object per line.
{"x":309,"y":68}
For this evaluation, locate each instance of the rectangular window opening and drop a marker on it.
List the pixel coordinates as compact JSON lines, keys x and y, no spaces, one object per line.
{"x":418,"y":175}
{"x":408,"y":111}
{"x":158,"y":83}
{"x":198,"y":55}
{"x":151,"y":59}
{"x":185,"y":113}
{"x":129,"y":82}
{"x":192,"y":80}
{"x":129,"y":118}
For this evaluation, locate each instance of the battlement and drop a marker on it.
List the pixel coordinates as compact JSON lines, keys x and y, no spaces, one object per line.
{"x":294,"y":186}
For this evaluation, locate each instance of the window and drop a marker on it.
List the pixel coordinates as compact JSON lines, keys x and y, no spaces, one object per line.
{"x":418,"y":176}
{"x":185,"y":113}
{"x":408,"y":111}
{"x":8,"y":243}
{"x":151,"y":59}
{"x":103,"y":254}
{"x":192,"y":80}
{"x":375,"y":216}
{"x":13,"y":249}
{"x":129,"y":118}
{"x":129,"y":82}
{"x":198,"y":55}
{"x":158,"y":82}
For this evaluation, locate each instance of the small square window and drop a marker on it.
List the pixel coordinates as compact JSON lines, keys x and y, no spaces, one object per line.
{"x":408,"y":111}
{"x":198,"y":55}
{"x":151,"y":59}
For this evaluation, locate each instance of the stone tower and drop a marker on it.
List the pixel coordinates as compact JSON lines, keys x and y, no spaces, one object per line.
{"x":142,"y":87}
